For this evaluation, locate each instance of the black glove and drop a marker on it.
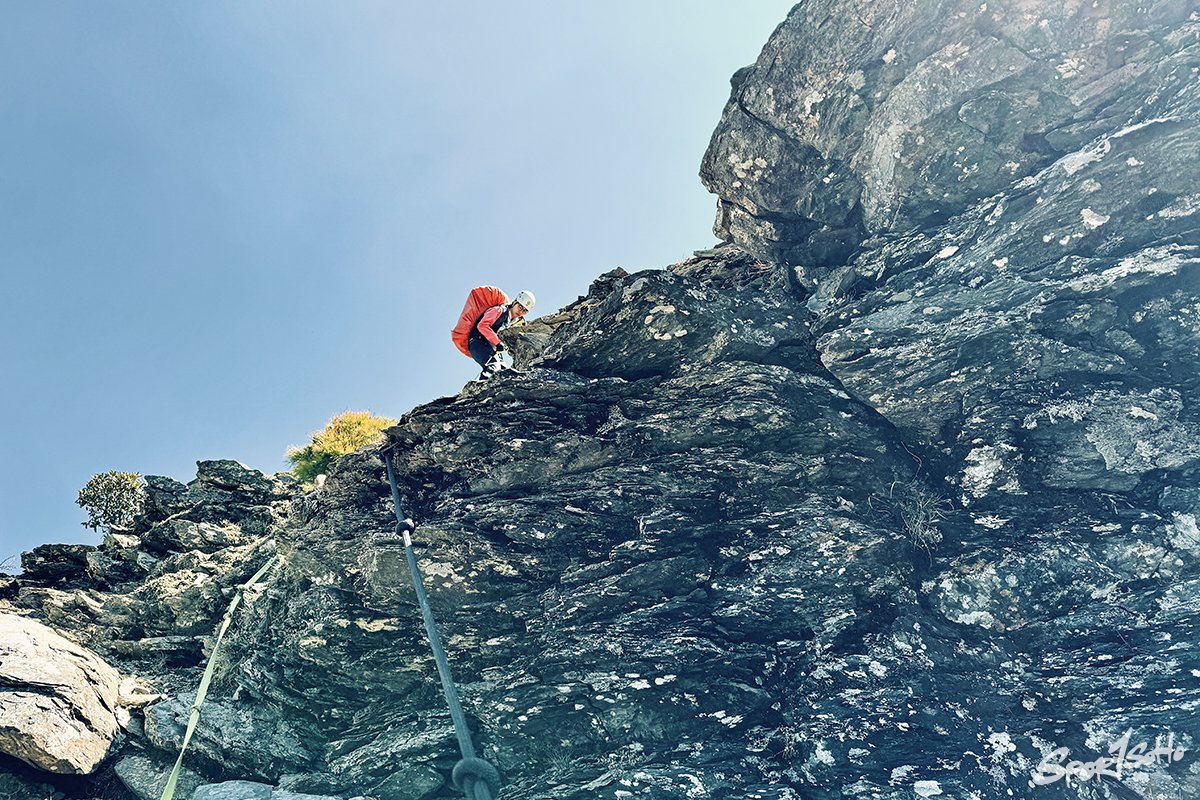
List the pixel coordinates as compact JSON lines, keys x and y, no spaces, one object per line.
{"x":500,"y":348}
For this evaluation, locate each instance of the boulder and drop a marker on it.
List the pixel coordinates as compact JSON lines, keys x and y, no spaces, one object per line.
{"x":58,"y":707}
{"x":145,"y":776}
{"x":57,"y":565}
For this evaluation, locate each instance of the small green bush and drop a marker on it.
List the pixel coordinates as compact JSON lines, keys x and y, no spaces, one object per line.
{"x":112,"y":499}
{"x":345,"y":433}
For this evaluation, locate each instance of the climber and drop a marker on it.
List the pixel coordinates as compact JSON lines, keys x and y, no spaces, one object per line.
{"x":485,"y":346}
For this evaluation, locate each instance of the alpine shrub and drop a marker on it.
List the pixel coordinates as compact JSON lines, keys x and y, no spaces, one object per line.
{"x":345,"y":433}
{"x":112,"y":499}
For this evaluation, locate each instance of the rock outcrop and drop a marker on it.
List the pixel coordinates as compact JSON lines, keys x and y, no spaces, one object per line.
{"x":58,"y":701}
{"x":863,"y":119}
{"x":894,"y":495}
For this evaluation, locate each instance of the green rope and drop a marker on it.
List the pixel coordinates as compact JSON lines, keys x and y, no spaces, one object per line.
{"x":194,"y":715}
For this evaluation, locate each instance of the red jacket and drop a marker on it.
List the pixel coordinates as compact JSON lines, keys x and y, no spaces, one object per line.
{"x":489,"y":319}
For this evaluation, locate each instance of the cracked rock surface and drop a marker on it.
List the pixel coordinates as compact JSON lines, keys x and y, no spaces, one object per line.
{"x":892,"y":495}
{"x":57,"y":700}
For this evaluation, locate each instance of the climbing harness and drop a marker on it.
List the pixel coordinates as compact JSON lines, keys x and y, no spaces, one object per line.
{"x":473,"y":776}
{"x":206,"y":679}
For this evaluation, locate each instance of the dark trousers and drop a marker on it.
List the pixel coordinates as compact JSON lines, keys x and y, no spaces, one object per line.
{"x":481,"y":350}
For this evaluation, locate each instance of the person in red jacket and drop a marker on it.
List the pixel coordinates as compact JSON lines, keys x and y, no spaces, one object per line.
{"x":484,"y":343}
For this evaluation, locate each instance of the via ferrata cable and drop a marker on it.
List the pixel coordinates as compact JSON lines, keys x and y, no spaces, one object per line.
{"x":477,"y":778}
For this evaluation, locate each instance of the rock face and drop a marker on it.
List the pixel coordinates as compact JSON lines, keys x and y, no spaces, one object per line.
{"x":57,"y":700}
{"x":57,"y":564}
{"x":863,"y":119}
{"x":892,"y":496}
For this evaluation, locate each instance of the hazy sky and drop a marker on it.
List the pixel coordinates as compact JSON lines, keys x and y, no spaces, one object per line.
{"x":224,"y":222}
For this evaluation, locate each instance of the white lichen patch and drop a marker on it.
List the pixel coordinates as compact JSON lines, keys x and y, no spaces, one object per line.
{"x":947,"y":251}
{"x":1001,"y":744}
{"x":1137,"y":126}
{"x":633,"y":288}
{"x":725,"y":718}
{"x":1184,"y":206}
{"x":1093,"y":219}
{"x":439,"y":569}
{"x":376,"y":625}
{"x":811,"y":99}
{"x":1073,"y":162}
{"x":1127,"y":443}
{"x":889,"y":56}
{"x":988,"y":468}
{"x":1070,"y":67}
{"x":970,"y":596}
{"x":504,"y":568}
{"x":1183,"y":533}
{"x":927,"y":789}
{"x":1136,"y":411}
{"x":661,"y":309}
{"x":1153,"y":261}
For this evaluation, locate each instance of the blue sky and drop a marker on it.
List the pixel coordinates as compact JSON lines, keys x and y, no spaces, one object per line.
{"x":221,"y":223}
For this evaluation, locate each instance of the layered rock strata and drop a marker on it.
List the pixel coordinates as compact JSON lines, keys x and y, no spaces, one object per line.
{"x":894,"y":496}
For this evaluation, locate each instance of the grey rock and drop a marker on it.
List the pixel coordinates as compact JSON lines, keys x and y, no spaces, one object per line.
{"x":245,"y":734}
{"x":145,"y":776}
{"x":890,"y":498}
{"x":17,"y":787}
{"x":121,"y":559}
{"x":233,"y":790}
{"x":250,"y":790}
{"x":57,"y":565}
{"x":58,"y":707}
{"x":227,"y":503}
{"x":179,"y":650}
{"x":165,"y":497}
{"x":1012,"y":315}
{"x":862,"y":119}
{"x":621,"y":589}
{"x":661,"y":323}
{"x":177,"y":534}
{"x":232,"y":476}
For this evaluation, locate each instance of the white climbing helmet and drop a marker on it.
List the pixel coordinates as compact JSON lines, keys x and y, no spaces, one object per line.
{"x":526,"y":299}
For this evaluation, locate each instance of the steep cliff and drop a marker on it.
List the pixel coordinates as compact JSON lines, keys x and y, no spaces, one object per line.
{"x":891,"y":497}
